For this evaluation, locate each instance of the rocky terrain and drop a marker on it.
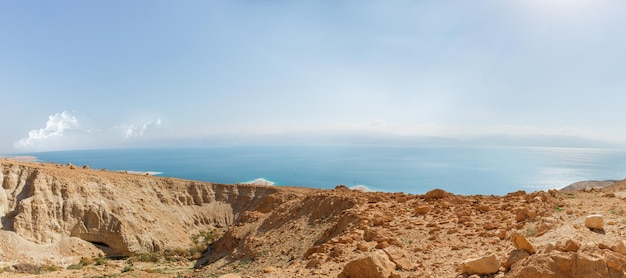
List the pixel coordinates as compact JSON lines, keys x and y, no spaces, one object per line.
{"x":58,"y":217}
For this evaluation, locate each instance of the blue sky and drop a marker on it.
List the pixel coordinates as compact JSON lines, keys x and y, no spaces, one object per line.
{"x":97,"y":74}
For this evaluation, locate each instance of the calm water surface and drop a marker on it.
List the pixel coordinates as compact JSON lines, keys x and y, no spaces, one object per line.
{"x":463,"y":170}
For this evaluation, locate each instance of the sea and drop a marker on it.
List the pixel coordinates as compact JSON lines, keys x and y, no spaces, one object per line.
{"x":410,"y":169}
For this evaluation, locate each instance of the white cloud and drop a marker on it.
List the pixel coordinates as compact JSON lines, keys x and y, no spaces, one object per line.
{"x":64,"y":131}
{"x":48,"y":137}
{"x":139,"y":130}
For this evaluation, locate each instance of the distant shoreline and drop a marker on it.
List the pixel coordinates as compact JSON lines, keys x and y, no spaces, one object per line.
{"x":21,"y":158}
{"x":583,"y":185}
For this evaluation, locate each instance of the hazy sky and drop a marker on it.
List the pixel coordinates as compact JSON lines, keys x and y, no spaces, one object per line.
{"x":90,"y":74}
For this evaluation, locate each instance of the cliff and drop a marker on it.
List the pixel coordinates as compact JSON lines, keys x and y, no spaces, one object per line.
{"x":120,"y":213}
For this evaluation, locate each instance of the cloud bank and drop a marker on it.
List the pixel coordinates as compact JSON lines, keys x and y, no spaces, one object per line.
{"x":65,"y":131}
{"x":58,"y":126}
{"x":139,"y":130}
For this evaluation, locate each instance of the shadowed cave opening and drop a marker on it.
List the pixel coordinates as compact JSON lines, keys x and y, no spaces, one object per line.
{"x":108,"y":251}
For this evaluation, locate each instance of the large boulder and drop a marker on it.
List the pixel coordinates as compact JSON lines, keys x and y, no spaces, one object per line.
{"x":376,"y":265}
{"x":594,"y":221}
{"x":567,"y":264}
{"x":436,"y":194}
{"x":400,"y":258}
{"x":481,"y":266}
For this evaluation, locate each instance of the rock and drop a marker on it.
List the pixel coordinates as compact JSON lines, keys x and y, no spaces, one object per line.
{"x":490,"y":226}
{"x":230,"y":275}
{"x":559,"y":264}
{"x":615,"y":261}
{"x":270,"y":269}
{"x":436,"y":194}
{"x":400,"y":258}
{"x":619,"y":247}
{"x":595,"y":221}
{"x":376,"y":265}
{"x":481,"y":266}
{"x":587,"y":265}
{"x":521,"y":214}
{"x":421,"y":209}
{"x":514,"y":257}
{"x":521,"y":243}
{"x":571,"y":246}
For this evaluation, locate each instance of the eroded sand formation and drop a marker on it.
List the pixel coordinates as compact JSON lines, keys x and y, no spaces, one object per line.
{"x":59,"y":213}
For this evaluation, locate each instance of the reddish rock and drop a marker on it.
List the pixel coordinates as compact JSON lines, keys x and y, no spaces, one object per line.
{"x":400,"y":258}
{"x":376,"y":265}
{"x":595,"y":221}
{"x":571,"y":246}
{"x":436,"y":194}
{"x":521,"y":243}
{"x":619,"y":247}
{"x":481,"y":266}
{"x":514,"y":257}
{"x":421,"y":209}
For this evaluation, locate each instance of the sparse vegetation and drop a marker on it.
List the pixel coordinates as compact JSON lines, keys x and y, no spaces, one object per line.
{"x":86,"y":261}
{"x":28,"y":268}
{"x":52,"y":268}
{"x":200,"y":243}
{"x":128,"y":267}
{"x":101,"y":261}
{"x":570,"y":195}
{"x":74,"y":266}
{"x":558,"y":208}
{"x":531,"y":230}
{"x":241,"y":264}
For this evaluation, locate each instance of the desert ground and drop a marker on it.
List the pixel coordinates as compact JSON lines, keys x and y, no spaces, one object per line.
{"x":73,"y":221}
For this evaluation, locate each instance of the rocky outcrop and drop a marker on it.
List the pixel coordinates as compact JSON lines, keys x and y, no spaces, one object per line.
{"x":125,"y":213}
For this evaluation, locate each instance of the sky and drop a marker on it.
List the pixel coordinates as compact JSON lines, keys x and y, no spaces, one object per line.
{"x":102,"y":74}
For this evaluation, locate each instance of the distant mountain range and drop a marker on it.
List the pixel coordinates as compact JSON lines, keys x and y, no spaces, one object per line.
{"x":363,"y":138}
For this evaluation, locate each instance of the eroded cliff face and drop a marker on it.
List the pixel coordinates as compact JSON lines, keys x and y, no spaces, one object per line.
{"x":49,"y":203}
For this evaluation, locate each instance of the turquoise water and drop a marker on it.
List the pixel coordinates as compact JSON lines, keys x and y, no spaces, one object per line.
{"x":463,"y":170}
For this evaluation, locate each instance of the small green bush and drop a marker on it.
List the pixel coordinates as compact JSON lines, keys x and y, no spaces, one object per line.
{"x":101,"y":261}
{"x":74,"y":266}
{"x":128,"y":268}
{"x":27,"y":268}
{"x":86,"y":261}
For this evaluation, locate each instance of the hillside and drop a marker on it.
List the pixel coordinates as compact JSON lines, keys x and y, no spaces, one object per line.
{"x":57,"y":214}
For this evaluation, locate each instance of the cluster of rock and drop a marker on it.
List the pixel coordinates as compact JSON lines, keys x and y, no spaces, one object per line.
{"x":564,"y":259}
